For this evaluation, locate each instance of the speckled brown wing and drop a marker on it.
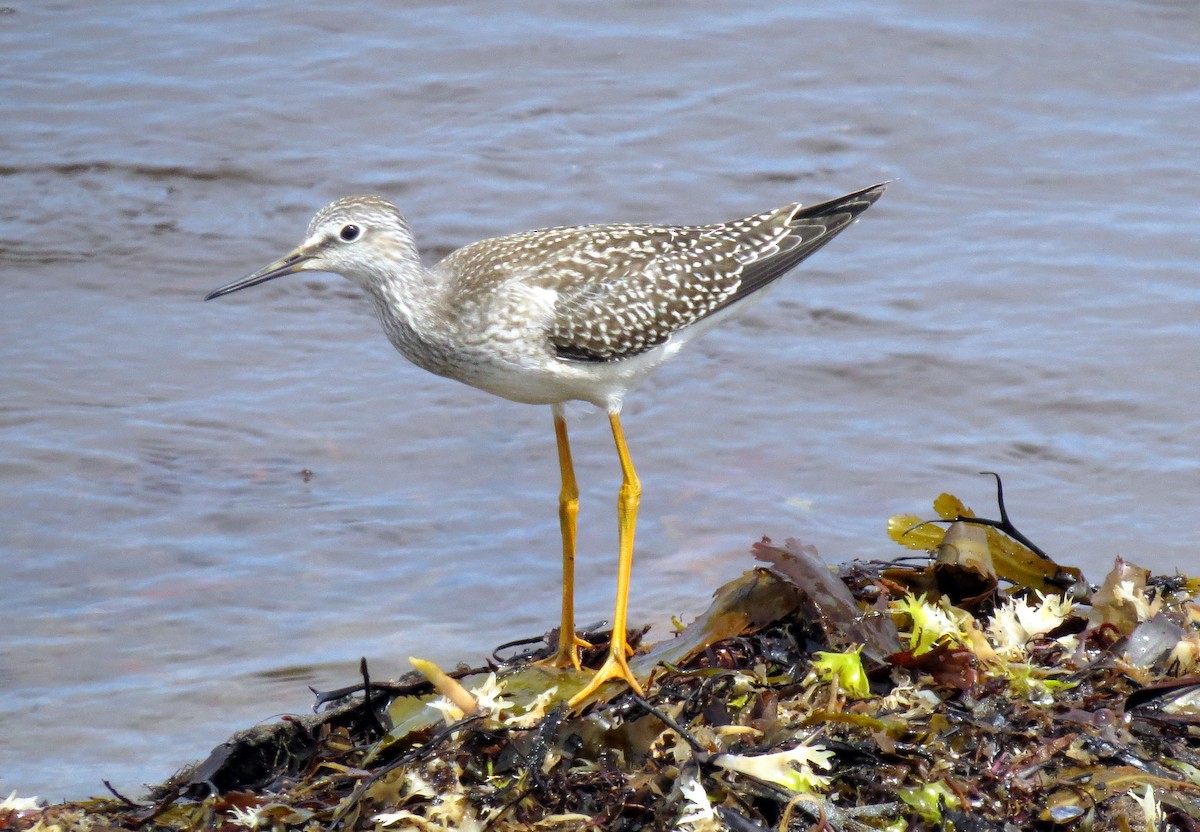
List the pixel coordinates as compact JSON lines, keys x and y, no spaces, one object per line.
{"x":637,"y":285}
{"x":632,"y":287}
{"x":619,"y":290}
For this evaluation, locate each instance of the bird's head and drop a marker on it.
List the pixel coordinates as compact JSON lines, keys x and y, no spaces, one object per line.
{"x":363,"y":238}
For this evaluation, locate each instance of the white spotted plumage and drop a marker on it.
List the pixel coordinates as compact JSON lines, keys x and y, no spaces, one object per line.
{"x":564,"y":313}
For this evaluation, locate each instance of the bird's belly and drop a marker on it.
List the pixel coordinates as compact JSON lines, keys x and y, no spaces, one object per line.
{"x":553,"y":380}
{"x":522,"y":368}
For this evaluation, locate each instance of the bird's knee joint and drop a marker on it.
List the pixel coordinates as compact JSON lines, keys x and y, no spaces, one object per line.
{"x":568,"y":505}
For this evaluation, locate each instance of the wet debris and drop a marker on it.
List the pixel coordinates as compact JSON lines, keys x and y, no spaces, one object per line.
{"x":981,"y":687}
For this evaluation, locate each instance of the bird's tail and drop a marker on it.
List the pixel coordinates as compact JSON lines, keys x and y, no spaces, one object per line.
{"x":812,"y":226}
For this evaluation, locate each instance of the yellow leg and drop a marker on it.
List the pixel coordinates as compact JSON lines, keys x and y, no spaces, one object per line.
{"x":616,"y":665}
{"x":567,"y":654}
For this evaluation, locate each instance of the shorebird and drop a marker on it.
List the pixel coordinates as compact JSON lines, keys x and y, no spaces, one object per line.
{"x":562,"y":314}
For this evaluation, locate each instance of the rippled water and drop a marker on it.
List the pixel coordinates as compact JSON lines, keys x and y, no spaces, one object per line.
{"x":1022,"y":300}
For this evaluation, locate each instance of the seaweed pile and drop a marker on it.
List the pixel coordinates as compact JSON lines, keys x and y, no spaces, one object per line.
{"x":978,"y":687}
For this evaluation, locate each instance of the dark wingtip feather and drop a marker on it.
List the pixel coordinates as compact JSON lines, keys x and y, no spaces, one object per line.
{"x":812,"y":227}
{"x":853,"y":203}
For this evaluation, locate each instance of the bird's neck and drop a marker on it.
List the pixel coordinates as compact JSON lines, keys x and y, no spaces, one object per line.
{"x":407,"y":301}
{"x":399,"y":285}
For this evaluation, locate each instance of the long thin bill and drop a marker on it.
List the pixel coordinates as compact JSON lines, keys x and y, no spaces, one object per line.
{"x":289,"y":264}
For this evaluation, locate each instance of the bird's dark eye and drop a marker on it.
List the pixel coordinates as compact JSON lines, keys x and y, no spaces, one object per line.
{"x":350,"y":233}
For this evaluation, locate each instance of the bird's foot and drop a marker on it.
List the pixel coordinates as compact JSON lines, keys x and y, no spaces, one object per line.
{"x":566,"y":657}
{"x":615,"y":667}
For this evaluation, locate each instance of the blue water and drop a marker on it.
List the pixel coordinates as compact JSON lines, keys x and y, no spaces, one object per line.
{"x":1023,"y":300}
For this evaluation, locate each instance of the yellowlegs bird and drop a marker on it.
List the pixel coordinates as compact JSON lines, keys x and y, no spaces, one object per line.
{"x":562,"y":314}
